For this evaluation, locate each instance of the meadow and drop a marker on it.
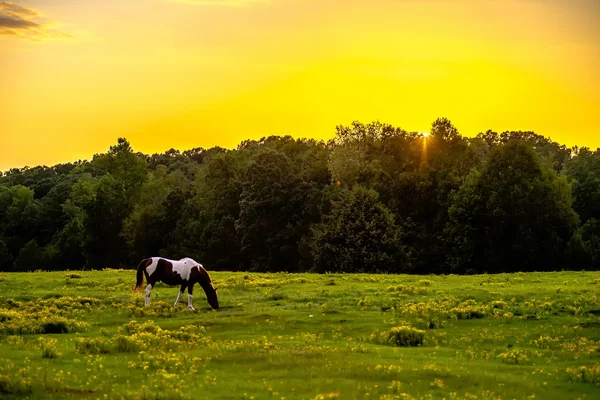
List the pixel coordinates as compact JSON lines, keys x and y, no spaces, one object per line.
{"x":302,"y":336}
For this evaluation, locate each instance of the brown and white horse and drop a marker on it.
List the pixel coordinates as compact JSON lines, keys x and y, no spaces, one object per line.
{"x":185,"y":272}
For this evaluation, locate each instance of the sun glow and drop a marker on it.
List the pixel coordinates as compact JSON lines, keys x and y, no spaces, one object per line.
{"x":424,"y":151}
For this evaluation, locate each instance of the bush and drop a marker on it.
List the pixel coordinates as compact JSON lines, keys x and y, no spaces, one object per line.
{"x":126,"y":344}
{"x":400,"y":336}
{"x":27,"y":321}
{"x":93,"y":345}
{"x":55,"y":326}
{"x":17,"y":385}
{"x":585,"y":374}
{"x":470,"y":310}
{"x":49,"y":352}
{"x":48,"y":347}
{"x":514,"y":357}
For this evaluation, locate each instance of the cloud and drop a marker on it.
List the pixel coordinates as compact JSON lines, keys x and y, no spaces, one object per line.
{"x":225,"y":3}
{"x":26,"y":23}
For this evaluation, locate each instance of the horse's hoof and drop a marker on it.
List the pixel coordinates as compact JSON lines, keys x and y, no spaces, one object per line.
{"x":192,"y":309}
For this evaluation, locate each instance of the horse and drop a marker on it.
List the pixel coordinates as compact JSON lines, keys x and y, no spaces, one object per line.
{"x":185,"y":272}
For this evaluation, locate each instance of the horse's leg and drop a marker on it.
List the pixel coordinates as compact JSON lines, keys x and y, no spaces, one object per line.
{"x":190,"y":291}
{"x":180,"y":294}
{"x":149,"y":290}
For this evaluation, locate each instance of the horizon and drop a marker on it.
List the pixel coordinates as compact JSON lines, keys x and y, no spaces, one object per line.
{"x":90,"y":157}
{"x":203,"y":73}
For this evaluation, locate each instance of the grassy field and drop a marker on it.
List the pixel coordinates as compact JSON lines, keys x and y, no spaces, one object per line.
{"x":305,"y":336}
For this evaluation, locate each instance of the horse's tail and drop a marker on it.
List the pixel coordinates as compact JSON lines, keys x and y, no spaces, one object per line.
{"x":140,"y":276}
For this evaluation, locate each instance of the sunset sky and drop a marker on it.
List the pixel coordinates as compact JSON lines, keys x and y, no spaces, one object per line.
{"x":77,"y":74}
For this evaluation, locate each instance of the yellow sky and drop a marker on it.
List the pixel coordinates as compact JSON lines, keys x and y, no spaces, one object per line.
{"x":76,"y":75}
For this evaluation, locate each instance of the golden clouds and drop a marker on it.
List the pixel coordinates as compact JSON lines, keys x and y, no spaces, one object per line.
{"x":26,"y":23}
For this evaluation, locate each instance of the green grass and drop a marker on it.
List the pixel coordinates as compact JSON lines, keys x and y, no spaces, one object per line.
{"x":508,"y":336}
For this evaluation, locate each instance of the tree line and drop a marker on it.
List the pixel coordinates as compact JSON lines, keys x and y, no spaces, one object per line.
{"x":376,"y":198}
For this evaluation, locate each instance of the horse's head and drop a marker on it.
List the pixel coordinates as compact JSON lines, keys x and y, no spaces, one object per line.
{"x":206,"y":283}
{"x":211,"y":296}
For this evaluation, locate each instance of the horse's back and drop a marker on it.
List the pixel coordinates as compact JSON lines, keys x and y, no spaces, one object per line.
{"x":184,"y":261}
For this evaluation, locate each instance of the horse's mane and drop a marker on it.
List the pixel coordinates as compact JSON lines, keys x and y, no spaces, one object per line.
{"x":204,"y":273}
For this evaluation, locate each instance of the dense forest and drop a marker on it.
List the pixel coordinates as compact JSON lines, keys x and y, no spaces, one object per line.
{"x":376,"y":198}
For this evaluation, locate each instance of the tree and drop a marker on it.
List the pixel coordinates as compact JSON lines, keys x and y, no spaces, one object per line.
{"x":444,"y":132}
{"x":308,"y":160}
{"x":514,"y":215}
{"x":16,"y":203}
{"x":358,"y":152}
{"x":149,"y":226}
{"x":31,"y":257}
{"x":420,"y":195}
{"x":584,"y":247}
{"x":270,"y":210}
{"x":345,"y":164}
{"x":358,"y":236}
{"x":128,"y":168}
{"x":475,"y":204}
{"x":67,"y":247}
{"x":6,"y":259}
{"x":583,"y":171}
{"x":551,"y":153}
{"x":106,"y":202}
{"x":207,"y":213}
